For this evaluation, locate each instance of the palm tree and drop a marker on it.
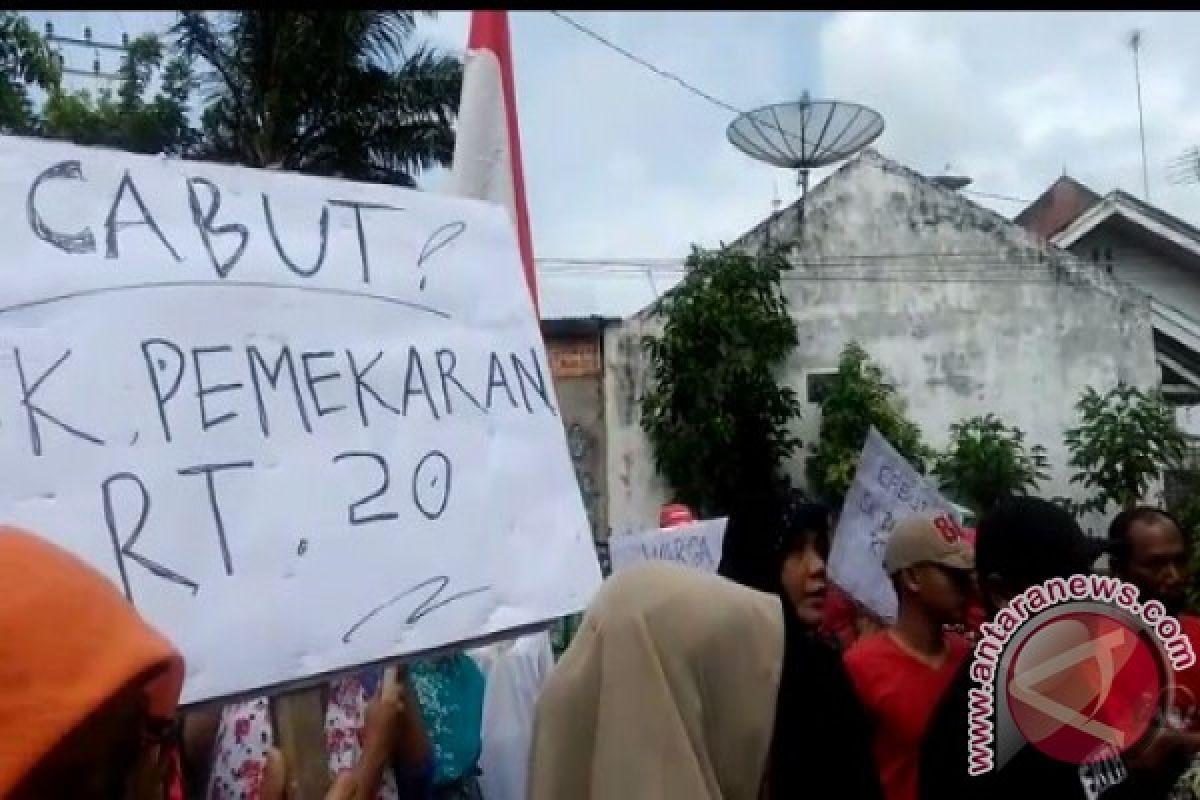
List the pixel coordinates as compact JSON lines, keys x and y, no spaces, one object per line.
{"x":334,"y":93}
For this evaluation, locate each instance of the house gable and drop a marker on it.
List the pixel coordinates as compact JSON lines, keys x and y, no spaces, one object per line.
{"x":1160,"y":230}
{"x":1159,"y":254}
{"x":1057,"y":207}
{"x":874,"y":214}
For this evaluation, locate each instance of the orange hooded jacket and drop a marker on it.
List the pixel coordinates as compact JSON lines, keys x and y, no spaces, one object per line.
{"x":69,"y":641}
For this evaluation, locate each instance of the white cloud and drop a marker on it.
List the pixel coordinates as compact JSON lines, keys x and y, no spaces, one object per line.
{"x":1013,"y":98}
{"x":623,"y":163}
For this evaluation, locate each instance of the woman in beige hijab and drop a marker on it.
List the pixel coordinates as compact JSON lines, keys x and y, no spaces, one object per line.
{"x":668,"y":692}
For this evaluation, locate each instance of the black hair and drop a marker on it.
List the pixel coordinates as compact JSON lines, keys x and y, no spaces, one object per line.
{"x":761,"y":535}
{"x":1027,"y":540}
{"x":804,"y":524}
{"x":748,"y":555}
{"x":1119,"y":546}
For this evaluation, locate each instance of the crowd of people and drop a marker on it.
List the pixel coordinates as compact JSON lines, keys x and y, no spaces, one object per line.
{"x":678,"y":684}
{"x":686,"y":685}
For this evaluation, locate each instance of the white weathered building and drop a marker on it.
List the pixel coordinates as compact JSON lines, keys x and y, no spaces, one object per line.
{"x":1152,"y":250}
{"x":1148,"y":248}
{"x":967,"y":312}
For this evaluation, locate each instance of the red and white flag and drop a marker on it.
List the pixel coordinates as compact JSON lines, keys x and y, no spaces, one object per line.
{"x":487,"y":149}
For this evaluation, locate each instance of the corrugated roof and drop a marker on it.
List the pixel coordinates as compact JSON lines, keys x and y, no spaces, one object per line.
{"x":1165,"y":218}
{"x":1152,"y":219}
{"x":610,"y":290}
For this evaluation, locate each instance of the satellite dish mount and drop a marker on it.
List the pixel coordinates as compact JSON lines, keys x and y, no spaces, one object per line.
{"x":805,"y":135}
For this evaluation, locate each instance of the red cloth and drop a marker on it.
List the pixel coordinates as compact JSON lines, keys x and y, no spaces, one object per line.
{"x":675,"y":515}
{"x":175,"y":789}
{"x":900,"y":694}
{"x":840,"y":614}
{"x":487,"y":147}
{"x":1187,"y":682}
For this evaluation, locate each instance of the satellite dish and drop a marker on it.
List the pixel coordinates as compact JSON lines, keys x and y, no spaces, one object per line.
{"x":805,"y":135}
{"x":949,"y":180}
{"x":952,"y":182}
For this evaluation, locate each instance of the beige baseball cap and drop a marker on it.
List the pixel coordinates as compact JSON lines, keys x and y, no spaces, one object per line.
{"x":928,"y":538}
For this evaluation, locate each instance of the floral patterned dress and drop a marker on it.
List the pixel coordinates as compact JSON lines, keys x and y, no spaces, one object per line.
{"x":245,"y":736}
{"x":449,"y":691}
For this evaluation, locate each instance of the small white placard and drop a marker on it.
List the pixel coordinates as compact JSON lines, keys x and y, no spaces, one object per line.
{"x":697,"y":544}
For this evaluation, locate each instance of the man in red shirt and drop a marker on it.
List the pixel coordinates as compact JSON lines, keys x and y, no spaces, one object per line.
{"x":901,"y":673}
{"x":1147,"y":548}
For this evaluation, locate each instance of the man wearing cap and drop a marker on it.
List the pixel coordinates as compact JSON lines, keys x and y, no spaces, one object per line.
{"x":902,"y":672}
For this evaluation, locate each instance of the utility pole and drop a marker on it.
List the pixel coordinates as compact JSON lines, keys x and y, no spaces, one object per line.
{"x":1135,"y":44}
{"x":86,"y":42}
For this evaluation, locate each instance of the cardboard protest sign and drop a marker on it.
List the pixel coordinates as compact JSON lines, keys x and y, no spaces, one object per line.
{"x":304,"y":424}
{"x":697,"y":544}
{"x":886,"y":488}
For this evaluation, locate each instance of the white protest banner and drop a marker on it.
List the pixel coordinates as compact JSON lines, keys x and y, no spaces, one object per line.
{"x":886,"y":488}
{"x":304,"y":424}
{"x":697,"y":544}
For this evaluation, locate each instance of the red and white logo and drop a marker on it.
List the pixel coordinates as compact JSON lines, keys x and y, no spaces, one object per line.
{"x":1076,"y":667}
{"x":1084,"y":682}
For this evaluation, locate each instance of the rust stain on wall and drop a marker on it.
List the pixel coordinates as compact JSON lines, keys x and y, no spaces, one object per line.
{"x":574,"y":358}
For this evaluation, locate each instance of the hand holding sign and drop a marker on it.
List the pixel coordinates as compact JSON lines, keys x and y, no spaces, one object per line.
{"x":885,"y":489}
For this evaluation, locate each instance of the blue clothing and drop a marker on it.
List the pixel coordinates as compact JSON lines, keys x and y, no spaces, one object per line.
{"x":450,"y":691}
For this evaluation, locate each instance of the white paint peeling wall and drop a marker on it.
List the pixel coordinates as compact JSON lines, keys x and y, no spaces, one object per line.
{"x":1188,"y":419}
{"x":967,"y":313}
{"x":635,"y":490}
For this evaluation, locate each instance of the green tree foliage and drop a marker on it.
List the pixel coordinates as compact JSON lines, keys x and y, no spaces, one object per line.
{"x":335,"y":93}
{"x":715,"y":412}
{"x":25,"y":60}
{"x":1186,"y":509}
{"x":1125,"y":441}
{"x":858,"y":398}
{"x":125,"y":119}
{"x":988,"y":460}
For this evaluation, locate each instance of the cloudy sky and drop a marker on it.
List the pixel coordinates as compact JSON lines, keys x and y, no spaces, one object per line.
{"x":623,"y":164}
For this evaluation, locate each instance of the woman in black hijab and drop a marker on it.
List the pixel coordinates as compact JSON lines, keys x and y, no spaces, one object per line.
{"x":822,"y":738}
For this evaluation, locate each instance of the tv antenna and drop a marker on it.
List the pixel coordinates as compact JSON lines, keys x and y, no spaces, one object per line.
{"x":57,"y":41}
{"x":1135,"y":44}
{"x":805,"y":135}
{"x":1184,"y":168}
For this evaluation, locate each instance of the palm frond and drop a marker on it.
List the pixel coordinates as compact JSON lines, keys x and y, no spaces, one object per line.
{"x":331,"y":93}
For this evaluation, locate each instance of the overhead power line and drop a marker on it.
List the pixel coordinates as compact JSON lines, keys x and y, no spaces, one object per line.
{"x":707,"y":96}
{"x":952,"y":267}
{"x":662,"y":73}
